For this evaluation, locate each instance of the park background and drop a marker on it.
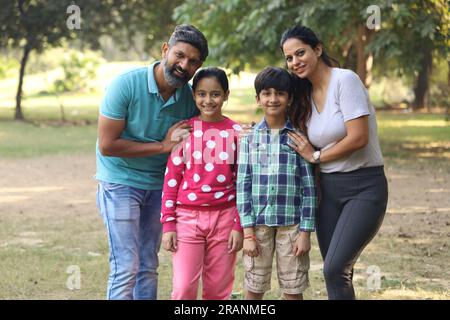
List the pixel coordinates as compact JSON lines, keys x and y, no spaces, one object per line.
{"x":53,"y":72}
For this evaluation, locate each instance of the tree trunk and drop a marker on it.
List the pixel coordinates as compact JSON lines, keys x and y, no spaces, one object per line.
{"x":349,"y":55}
{"x":447,"y":108}
{"x":363,"y":60}
{"x":422,"y":82}
{"x":23,"y":62}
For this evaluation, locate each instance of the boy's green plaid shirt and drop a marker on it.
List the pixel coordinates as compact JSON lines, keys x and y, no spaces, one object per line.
{"x":275,"y":185}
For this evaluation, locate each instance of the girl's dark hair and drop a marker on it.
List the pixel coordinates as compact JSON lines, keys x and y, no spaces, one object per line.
{"x":301,"y":111}
{"x":273,"y":77}
{"x":211,"y":72}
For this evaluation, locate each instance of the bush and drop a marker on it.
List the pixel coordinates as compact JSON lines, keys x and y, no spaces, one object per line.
{"x":439,"y":92}
{"x":78,"y":69}
{"x":8,"y":67}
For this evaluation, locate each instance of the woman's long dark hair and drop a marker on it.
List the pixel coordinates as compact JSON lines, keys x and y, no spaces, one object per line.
{"x":301,"y":109}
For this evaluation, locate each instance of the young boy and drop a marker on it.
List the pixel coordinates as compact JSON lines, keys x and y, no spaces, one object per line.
{"x":276,"y":196}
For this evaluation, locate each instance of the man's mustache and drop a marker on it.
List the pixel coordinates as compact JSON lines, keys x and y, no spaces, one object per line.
{"x":180,"y":70}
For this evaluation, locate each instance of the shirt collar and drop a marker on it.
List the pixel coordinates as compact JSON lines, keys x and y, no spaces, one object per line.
{"x":264,"y":126}
{"x":153,"y":87}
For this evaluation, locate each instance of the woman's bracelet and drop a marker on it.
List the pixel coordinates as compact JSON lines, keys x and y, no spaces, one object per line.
{"x":250,"y":236}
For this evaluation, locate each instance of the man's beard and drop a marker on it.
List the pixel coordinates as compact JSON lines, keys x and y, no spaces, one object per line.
{"x":172,"y":79}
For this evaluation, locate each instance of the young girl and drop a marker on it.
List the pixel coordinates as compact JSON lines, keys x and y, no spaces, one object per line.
{"x":201,"y":224}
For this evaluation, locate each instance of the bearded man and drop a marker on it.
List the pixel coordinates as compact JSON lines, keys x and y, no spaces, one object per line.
{"x":141,"y":119}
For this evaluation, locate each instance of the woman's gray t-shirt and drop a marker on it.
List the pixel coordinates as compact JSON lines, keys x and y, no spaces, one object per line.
{"x":346,"y":99}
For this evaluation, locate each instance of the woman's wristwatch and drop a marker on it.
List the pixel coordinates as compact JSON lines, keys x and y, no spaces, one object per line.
{"x":316,"y":156}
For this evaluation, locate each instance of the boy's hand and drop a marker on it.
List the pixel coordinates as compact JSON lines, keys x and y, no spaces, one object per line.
{"x":302,"y":244}
{"x":251,"y":248}
{"x":169,"y":241}
{"x":251,"y":245}
{"x":235,"y":241}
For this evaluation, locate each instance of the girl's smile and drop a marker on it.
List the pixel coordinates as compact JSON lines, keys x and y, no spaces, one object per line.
{"x":209,"y":98}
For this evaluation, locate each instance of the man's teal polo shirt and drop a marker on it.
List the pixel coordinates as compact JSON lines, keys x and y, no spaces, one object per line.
{"x":133,"y":96}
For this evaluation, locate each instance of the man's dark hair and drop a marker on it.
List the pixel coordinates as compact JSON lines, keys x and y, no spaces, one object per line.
{"x":190,"y":34}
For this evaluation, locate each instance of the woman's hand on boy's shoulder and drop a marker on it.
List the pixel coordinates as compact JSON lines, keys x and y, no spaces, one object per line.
{"x":301,"y":145}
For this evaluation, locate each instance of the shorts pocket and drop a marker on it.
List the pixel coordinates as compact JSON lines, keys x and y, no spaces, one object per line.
{"x":302,"y":262}
{"x":249,"y":262}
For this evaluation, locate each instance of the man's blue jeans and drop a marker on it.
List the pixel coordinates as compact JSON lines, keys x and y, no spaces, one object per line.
{"x":131,"y":217}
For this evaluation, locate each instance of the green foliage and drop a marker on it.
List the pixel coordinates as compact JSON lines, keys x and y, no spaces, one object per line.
{"x":7,"y":66}
{"x":37,"y":25}
{"x":439,"y":94}
{"x":408,"y":30}
{"x":241,"y":31}
{"x":79,"y":68}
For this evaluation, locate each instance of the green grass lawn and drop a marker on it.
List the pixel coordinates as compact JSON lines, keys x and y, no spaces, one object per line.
{"x":403,"y":137}
{"x":39,"y":269}
{"x":414,"y":136}
{"x":19,"y":139}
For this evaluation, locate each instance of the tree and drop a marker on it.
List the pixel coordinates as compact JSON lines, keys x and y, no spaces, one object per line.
{"x":249,"y":32}
{"x":35,"y":25}
{"x":243,"y":31}
{"x":413,"y":33}
{"x":433,"y":30}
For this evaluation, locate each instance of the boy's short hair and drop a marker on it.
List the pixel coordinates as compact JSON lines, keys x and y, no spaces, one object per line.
{"x":190,"y":34}
{"x":274,"y":77}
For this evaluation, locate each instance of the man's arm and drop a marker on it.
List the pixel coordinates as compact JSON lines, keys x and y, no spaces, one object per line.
{"x":112,"y":145}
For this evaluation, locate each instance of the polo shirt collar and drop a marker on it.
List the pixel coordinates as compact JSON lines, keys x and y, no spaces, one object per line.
{"x":153,"y":87}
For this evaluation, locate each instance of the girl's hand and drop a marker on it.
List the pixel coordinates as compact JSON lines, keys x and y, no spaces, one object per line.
{"x":169,"y":241}
{"x":302,"y":244}
{"x":301,"y":145}
{"x":235,"y":241}
{"x":252,"y":248}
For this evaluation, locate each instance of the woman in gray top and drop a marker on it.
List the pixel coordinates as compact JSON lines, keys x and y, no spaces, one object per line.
{"x":335,"y":111}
